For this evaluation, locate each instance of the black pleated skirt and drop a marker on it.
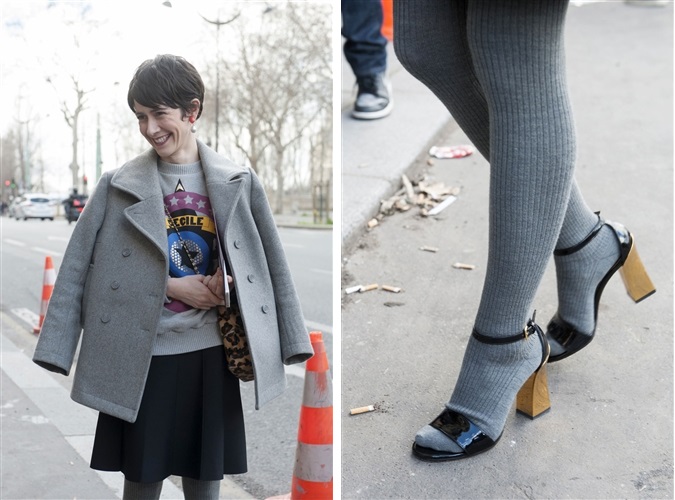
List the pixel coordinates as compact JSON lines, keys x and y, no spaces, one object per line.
{"x":190,"y":423}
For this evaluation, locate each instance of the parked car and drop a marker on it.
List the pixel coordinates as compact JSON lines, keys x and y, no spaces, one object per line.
{"x":35,"y":206}
{"x":73,"y":206}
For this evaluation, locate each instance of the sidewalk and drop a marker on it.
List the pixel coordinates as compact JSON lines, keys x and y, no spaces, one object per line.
{"x":375,"y":153}
{"x":610,"y":431}
{"x":47,"y":438}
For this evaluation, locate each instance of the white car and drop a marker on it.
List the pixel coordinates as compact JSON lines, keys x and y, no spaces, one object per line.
{"x":35,"y":206}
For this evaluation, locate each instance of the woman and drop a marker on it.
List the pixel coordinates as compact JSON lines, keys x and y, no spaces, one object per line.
{"x":499,"y":69}
{"x":140,"y":279}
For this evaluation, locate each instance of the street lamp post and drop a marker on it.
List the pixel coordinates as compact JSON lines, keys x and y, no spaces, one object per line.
{"x":218,"y":23}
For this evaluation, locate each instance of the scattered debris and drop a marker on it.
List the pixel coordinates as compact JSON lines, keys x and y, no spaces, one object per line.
{"x":353,"y":289}
{"x":368,"y":288}
{"x":394,"y":304}
{"x":362,"y":409}
{"x":429,"y":249}
{"x":409,"y":190}
{"x":393,"y":289}
{"x":450,"y":152}
{"x":422,"y":193}
{"x":442,"y":206}
{"x":468,"y":267}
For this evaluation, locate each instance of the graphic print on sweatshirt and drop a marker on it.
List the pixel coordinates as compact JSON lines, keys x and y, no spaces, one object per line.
{"x":192,"y":215}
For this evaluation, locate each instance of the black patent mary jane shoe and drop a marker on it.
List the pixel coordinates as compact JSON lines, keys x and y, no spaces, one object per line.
{"x":563,"y":337}
{"x":532,"y":401}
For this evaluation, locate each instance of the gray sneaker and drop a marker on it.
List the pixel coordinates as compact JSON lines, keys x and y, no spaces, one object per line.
{"x":374,"y":98}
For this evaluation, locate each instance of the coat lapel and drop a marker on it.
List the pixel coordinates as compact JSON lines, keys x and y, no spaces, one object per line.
{"x":140,"y":179}
{"x":224,"y":183}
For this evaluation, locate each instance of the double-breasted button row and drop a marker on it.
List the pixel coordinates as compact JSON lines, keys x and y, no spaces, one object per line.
{"x":251,"y":277}
{"x":105,"y":318}
{"x":126,"y":252}
{"x":115,"y":285}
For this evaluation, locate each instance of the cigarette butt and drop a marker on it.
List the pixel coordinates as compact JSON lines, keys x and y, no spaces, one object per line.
{"x":363,"y":409}
{"x":443,"y":205}
{"x":353,"y":289}
{"x":429,"y":249}
{"x":394,"y":289}
{"x":468,"y":267}
{"x":368,"y":288}
{"x":372,"y":223}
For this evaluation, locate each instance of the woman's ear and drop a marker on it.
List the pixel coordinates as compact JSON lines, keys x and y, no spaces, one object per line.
{"x":194,"y":110}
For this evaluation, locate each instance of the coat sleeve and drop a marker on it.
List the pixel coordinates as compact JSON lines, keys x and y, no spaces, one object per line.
{"x":295,"y":344}
{"x":62,"y":325}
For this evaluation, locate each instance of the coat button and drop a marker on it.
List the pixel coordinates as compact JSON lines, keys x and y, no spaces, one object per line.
{"x":265,"y":309}
{"x":115,"y":285}
{"x":126,"y":252}
{"x":250,"y":278}
{"x":237,"y":243}
{"x":105,"y":318}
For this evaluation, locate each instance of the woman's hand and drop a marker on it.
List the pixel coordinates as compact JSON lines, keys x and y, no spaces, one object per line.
{"x":194,"y":292}
{"x":215,"y":283}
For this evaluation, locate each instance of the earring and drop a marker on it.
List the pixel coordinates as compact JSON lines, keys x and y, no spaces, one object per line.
{"x":193,"y":129}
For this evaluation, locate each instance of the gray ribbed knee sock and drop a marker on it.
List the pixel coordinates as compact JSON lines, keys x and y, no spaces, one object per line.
{"x":516,"y":51}
{"x":193,"y":489}
{"x":141,"y":491}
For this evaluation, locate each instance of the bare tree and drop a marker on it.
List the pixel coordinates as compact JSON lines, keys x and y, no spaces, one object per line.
{"x":281,"y":83}
{"x":71,"y":114}
{"x":77,"y":67}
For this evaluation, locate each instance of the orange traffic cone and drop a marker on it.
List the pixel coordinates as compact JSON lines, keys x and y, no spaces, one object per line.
{"x":388,"y":19}
{"x":313,"y":472}
{"x":47,"y":289}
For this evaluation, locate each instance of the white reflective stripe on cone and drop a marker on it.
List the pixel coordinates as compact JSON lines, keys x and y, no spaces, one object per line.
{"x":314,"y":462}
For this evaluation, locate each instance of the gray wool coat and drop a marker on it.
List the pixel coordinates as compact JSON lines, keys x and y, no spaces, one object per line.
{"x":112,"y":281}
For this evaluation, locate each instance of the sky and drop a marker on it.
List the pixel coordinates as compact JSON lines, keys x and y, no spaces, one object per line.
{"x":42,"y":46}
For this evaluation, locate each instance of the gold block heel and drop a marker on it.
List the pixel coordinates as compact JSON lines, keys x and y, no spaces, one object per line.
{"x":635,"y":277}
{"x":533,"y":399}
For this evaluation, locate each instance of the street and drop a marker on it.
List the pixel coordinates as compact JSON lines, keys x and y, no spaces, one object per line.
{"x":609,"y":433}
{"x":37,"y":418}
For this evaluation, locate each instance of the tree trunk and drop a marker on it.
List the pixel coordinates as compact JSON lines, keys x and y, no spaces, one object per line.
{"x":74,"y":167}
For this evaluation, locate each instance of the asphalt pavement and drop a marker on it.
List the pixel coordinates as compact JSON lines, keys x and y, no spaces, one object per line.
{"x":609,"y":433}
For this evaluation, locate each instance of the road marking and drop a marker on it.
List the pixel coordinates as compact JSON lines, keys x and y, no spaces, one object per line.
{"x":295,"y":370}
{"x":322,"y":271}
{"x":47,"y":251}
{"x":319,"y":327}
{"x":14,"y":242}
{"x":58,"y":238}
{"x":27,"y":315}
{"x":293,"y":245}
{"x":37,"y":249}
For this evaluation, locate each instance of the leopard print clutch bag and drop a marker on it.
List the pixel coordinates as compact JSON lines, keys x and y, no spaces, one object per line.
{"x":237,"y":352}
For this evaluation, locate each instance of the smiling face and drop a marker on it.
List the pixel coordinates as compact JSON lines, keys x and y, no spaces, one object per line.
{"x":168,"y":132}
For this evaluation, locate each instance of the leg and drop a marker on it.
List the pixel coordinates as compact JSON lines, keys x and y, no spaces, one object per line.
{"x":532,"y":161}
{"x":432,"y":44}
{"x":195,"y":489}
{"x":365,"y":49}
{"x":141,"y":491}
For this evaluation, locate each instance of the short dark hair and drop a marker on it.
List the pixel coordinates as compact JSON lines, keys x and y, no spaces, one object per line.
{"x":166,"y":80}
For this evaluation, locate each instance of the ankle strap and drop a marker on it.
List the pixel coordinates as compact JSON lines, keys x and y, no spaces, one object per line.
{"x":530,"y":329}
{"x":586,"y":240}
